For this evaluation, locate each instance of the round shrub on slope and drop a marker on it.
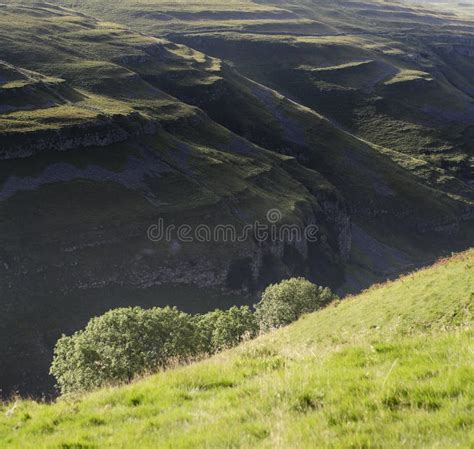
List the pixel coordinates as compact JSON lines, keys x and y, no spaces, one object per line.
{"x":283,"y":303}
{"x":223,"y":329}
{"x":120,"y":345}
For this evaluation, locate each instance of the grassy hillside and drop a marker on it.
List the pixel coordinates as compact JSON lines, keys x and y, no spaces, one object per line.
{"x":271,"y":40}
{"x":414,"y":95}
{"x":392,"y":367}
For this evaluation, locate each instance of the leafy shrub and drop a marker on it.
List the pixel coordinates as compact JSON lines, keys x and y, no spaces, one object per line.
{"x":127,"y":342}
{"x":283,"y":303}
{"x":120,"y":345}
{"x":223,"y":329}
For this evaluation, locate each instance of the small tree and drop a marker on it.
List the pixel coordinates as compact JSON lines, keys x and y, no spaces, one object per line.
{"x":120,"y":345}
{"x":223,"y":329}
{"x":283,"y":303}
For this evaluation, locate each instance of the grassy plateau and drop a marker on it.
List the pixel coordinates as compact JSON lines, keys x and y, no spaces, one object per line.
{"x":389,"y":368}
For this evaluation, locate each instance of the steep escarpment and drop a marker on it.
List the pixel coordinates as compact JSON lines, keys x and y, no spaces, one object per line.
{"x":40,"y":113}
{"x":376,"y":88}
{"x":101,"y":131}
{"x":84,"y":246}
{"x":107,"y":155}
{"x":378,"y":184}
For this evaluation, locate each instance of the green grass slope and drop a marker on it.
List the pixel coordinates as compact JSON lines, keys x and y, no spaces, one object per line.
{"x":392,"y":367}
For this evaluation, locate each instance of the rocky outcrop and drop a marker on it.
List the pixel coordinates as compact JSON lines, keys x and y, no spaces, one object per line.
{"x":103,"y":131}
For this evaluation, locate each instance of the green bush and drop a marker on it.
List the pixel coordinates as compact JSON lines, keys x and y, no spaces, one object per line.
{"x":127,"y":342}
{"x":283,"y":303}
{"x":120,"y":345}
{"x":223,"y":329}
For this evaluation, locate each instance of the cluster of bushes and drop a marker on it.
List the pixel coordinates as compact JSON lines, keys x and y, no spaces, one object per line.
{"x":127,"y":342}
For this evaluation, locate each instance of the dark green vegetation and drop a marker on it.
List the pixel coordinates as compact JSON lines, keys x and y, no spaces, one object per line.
{"x":130,"y":342}
{"x":125,"y":343}
{"x":283,"y":303}
{"x":390,"y":368}
{"x":356,"y":116}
